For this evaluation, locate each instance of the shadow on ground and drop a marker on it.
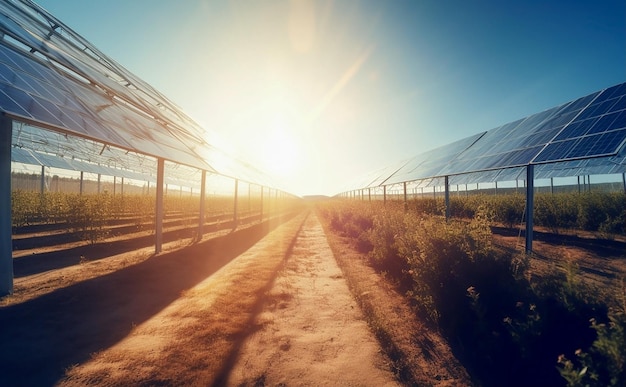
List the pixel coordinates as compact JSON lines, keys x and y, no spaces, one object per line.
{"x":605,"y":248}
{"x":42,"y":262}
{"x":41,"y":338}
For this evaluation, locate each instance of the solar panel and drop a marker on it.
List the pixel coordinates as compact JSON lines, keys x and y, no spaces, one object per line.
{"x":593,"y":126}
{"x":51,"y":76}
{"x":599,"y":130}
{"x":430,"y":163}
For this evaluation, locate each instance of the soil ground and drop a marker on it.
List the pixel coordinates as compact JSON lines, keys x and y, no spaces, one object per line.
{"x":243,"y":307}
{"x":311,"y":331}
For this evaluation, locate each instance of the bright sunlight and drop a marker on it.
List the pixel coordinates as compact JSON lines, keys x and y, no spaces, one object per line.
{"x":280,"y":149}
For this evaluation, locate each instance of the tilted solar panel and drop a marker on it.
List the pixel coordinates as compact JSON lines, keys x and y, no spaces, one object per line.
{"x":430,"y":163}
{"x":51,"y":76}
{"x":599,"y":130}
{"x":572,"y":135}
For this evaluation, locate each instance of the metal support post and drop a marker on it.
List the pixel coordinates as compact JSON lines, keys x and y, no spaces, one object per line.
{"x":405,"y":197}
{"x":6,"y":247}
{"x":236,"y":202}
{"x":447,"y":196}
{"x":160,"y":210}
{"x":552,"y":185}
{"x":249,"y":198}
{"x":530,"y":203}
{"x":384,"y":194}
{"x":202,"y":206}
{"x":80,"y":187}
{"x":262,"y":203}
{"x":42,"y":187}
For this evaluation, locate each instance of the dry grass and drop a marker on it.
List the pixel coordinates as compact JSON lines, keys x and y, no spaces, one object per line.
{"x":195,"y":340}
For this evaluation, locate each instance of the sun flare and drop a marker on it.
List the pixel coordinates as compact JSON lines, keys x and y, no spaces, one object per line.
{"x":280,"y":150}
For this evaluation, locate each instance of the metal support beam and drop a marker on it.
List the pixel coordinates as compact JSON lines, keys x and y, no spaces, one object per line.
{"x":384,"y":194}
{"x":262,"y":203}
{"x":202,"y":205}
{"x":405,"y":196}
{"x":530,"y":203}
{"x":552,"y":185}
{"x":249,"y":198}
{"x":447,"y":196}
{"x":80,"y":187}
{"x":159,"y":207}
{"x":42,"y":187}
{"x":235,"y":209}
{"x":6,"y":248}
{"x":369,"y":193}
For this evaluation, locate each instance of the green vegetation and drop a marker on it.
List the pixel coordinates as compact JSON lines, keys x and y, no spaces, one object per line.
{"x":91,"y":216}
{"x":507,"y":327}
{"x":589,"y":211}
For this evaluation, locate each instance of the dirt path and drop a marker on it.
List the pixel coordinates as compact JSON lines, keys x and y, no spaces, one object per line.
{"x":311,"y":331}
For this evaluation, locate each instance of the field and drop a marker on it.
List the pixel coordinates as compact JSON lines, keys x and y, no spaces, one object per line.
{"x":437,"y":303}
{"x":559,"y":312}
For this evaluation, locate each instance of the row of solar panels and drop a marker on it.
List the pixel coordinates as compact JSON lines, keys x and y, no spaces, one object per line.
{"x":581,"y":137}
{"x":52,"y":77}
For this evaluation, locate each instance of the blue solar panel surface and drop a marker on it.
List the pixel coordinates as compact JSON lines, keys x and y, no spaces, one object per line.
{"x":565,"y":140}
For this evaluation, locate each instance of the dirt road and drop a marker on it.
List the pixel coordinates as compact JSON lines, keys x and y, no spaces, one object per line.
{"x":311,"y":331}
{"x":276,"y":313}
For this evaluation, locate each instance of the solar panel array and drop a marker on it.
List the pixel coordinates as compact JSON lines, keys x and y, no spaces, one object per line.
{"x":584,"y":136}
{"x":52,"y":77}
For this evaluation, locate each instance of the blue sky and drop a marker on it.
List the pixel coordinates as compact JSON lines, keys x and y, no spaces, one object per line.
{"x":321,"y":92}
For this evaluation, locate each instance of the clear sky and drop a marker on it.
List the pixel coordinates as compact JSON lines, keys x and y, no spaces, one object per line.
{"x":322,"y":92}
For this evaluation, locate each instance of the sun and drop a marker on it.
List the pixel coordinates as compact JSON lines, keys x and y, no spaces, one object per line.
{"x":281,"y":155}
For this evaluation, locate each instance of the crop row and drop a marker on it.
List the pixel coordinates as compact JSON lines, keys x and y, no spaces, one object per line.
{"x":503,"y":321}
{"x":589,"y":211}
{"x":91,"y":214}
